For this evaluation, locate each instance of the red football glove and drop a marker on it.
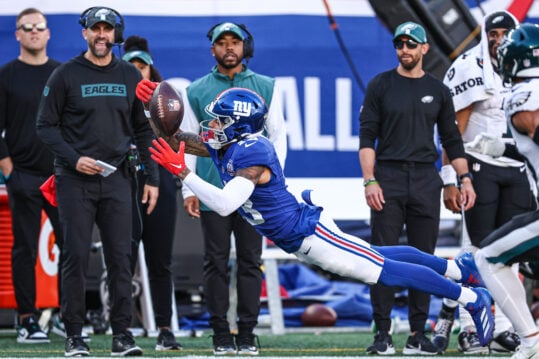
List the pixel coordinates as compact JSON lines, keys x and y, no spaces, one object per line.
{"x":163,"y":154}
{"x":145,"y":90}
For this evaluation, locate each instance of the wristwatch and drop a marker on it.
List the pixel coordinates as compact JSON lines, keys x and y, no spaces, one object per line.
{"x":466,"y":175}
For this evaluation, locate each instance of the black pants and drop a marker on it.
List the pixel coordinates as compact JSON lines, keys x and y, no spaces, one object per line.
{"x":156,"y":230}
{"x":412,"y":193}
{"x":107,"y":202}
{"x":216,"y":231}
{"x":502,"y":193}
{"x":26,"y":203}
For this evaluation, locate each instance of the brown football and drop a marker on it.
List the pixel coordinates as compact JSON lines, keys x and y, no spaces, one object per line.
{"x":166,"y":108}
{"x":319,"y":315}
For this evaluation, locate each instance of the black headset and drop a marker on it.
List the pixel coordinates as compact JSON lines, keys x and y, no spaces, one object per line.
{"x":248,"y":43}
{"x":119,"y":26}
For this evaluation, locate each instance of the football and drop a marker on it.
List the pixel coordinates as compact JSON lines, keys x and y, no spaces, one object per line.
{"x":319,"y":315}
{"x":166,"y":108}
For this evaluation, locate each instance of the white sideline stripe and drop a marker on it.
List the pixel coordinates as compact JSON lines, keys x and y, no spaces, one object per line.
{"x":445,"y":356}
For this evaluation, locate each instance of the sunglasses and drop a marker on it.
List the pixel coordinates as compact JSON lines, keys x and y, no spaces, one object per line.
{"x":40,"y":26}
{"x":399,"y":44}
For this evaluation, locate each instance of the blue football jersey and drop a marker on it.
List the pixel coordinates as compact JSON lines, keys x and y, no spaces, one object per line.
{"x":271,"y":209}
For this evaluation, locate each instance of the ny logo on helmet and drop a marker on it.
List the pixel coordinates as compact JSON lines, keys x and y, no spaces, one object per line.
{"x":242,"y":108}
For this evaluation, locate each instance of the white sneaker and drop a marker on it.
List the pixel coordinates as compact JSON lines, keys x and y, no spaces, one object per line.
{"x":523,"y":352}
{"x":29,"y":332}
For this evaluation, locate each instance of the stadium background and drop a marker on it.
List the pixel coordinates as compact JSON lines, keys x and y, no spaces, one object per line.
{"x":293,"y":43}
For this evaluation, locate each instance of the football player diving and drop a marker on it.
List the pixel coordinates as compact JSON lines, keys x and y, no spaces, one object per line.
{"x":254,"y":184}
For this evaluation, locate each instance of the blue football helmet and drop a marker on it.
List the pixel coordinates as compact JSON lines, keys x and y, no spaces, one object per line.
{"x":239,"y":112}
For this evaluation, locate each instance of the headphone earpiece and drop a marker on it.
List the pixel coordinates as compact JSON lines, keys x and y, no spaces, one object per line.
{"x":248,"y":43}
{"x":119,"y":31}
{"x":83,"y":15}
{"x":119,"y":25}
{"x":209,"y":35}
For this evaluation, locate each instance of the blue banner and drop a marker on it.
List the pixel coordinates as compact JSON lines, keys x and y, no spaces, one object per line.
{"x":298,"y":47}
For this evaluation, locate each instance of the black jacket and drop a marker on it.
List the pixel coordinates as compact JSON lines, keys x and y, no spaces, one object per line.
{"x":399,"y":115}
{"x":21,"y":86}
{"x":90,"y":110}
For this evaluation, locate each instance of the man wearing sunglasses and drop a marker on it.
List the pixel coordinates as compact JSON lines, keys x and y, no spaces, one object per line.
{"x":25,"y":162}
{"x":398,"y":158}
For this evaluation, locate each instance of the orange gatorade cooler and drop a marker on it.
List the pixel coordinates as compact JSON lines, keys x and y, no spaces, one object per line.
{"x":46,"y":266}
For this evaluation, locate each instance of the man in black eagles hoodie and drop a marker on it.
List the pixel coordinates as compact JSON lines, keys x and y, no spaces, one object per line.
{"x":89,"y":113}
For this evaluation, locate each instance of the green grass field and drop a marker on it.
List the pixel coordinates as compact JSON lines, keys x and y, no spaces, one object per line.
{"x":316,"y":344}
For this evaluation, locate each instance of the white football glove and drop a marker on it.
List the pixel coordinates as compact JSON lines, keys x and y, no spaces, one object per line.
{"x":487,"y":144}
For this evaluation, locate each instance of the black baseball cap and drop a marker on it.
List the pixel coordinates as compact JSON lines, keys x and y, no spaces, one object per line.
{"x":500,"y":20}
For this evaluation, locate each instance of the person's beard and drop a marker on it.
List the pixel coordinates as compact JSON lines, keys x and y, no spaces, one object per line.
{"x":102,"y":52}
{"x":228,"y":61}
{"x":409,"y":65}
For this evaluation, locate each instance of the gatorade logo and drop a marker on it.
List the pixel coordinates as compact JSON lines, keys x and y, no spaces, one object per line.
{"x":465,"y":85}
{"x":48,"y":251}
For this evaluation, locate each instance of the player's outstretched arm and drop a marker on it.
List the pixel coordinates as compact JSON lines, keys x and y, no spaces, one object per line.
{"x":172,"y":161}
{"x":221,"y":200}
{"x":193,"y":143}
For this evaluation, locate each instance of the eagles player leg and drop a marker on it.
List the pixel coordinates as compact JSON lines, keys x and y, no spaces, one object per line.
{"x":513,"y":242}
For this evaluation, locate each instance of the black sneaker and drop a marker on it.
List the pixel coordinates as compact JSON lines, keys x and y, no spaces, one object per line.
{"x":123,"y":345}
{"x":419,"y":344}
{"x":29,"y":332}
{"x":468,"y":343}
{"x":246,"y":344}
{"x":383,"y":344}
{"x":76,"y":347}
{"x":166,"y":341}
{"x":223,"y":344}
{"x":505,"y":342}
{"x":57,"y":326}
{"x":442,"y":329}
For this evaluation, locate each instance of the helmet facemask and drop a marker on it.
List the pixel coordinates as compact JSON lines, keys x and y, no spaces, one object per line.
{"x":236,"y":113}
{"x":214,"y":131}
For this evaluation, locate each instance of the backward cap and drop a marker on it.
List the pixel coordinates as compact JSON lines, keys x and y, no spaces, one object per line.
{"x":412,"y":30}
{"x":500,"y":20}
{"x":227,"y":27}
{"x":100,"y":14}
